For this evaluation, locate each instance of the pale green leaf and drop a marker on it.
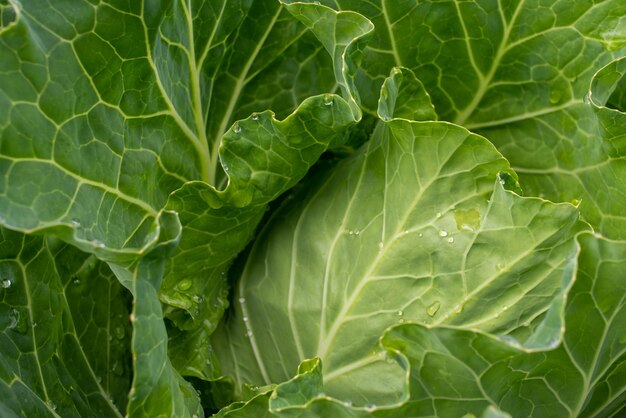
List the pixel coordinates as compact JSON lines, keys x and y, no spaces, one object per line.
{"x":461,"y":370}
{"x":517,"y":72}
{"x":410,"y":227}
{"x":575,"y":154}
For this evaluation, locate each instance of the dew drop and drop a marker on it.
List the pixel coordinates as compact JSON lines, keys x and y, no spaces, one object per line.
{"x":236,"y":128}
{"x":370,"y":407}
{"x":350,"y":232}
{"x":18,"y":321}
{"x":255,"y":116}
{"x":6,"y":283}
{"x":443,"y":233}
{"x":450,"y":240}
{"x":420,"y":235}
{"x":242,"y":300}
{"x":439,"y":215}
{"x":357,"y":232}
{"x":555,"y":96}
{"x":117,"y":369}
{"x":76,"y":281}
{"x":328,"y":100}
{"x":500,"y":266}
{"x":197,"y":298}
{"x":249,"y":334}
{"x":381,"y":245}
{"x":119,"y":332}
{"x":400,"y":312}
{"x":75,"y":222}
{"x":433,"y":308}
{"x":321,"y":395}
{"x":245,"y":319}
{"x":347,"y":403}
{"x":184,"y":284}
{"x":98,"y":244}
{"x":51,"y":405}
{"x":14,"y":317}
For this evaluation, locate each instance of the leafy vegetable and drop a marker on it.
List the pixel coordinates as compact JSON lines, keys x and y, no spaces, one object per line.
{"x":418,"y":270}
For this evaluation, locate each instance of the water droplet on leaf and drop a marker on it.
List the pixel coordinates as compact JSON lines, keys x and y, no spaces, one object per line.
{"x":197,"y":298}
{"x":328,"y":100}
{"x":51,"y":405}
{"x":433,"y":308}
{"x":117,"y":369}
{"x":98,"y":244}
{"x":119,"y":332}
{"x":555,"y":96}
{"x":467,"y":220}
{"x":255,"y":116}
{"x":14,"y":317}
{"x":6,"y":283}
{"x":75,"y":222}
{"x":450,"y":240}
{"x":18,"y":321}
{"x":443,"y":233}
{"x":236,"y":128}
{"x":370,"y":407}
{"x":242,"y":300}
{"x":184,"y":284}
{"x":400,"y":312}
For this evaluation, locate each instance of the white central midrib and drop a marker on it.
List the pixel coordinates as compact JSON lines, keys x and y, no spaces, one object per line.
{"x":173,"y":112}
{"x":392,"y":39}
{"x":234,"y":98}
{"x":194,"y":75}
{"x":589,"y":383}
{"x":486,"y":81}
{"x":324,"y":346}
{"x":329,"y":258}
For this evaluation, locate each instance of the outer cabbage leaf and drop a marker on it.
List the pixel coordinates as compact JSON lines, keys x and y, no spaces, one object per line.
{"x":62,"y":352}
{"x":303,"y":397}
{"x":576,"y":153}
{"x":111,"y":112}
{"x":517,"y":72}
{"x":454,"y":371}
{"x":485,"y":60}
{"x":414,"y":216}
